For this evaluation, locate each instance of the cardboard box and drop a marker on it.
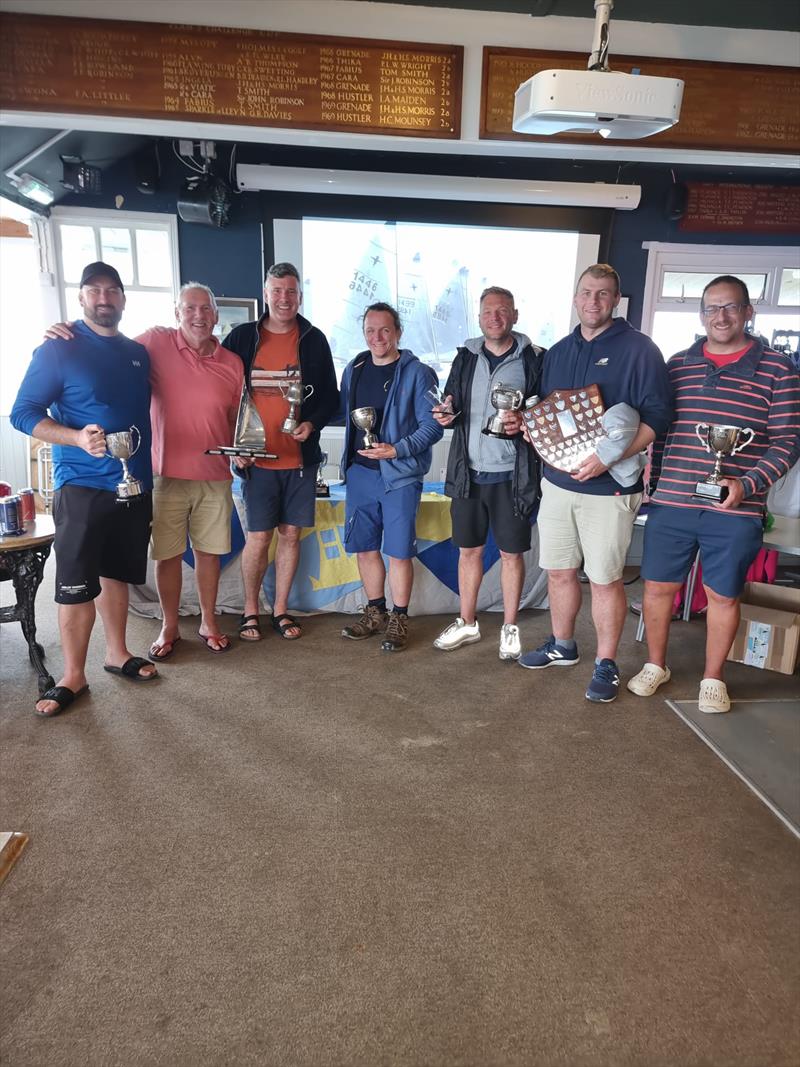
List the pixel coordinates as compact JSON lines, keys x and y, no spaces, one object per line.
{"x":769,"y":630}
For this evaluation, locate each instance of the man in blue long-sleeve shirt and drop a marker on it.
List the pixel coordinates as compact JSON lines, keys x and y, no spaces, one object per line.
{"x":73,"y":393}
{"x":586,"y":515}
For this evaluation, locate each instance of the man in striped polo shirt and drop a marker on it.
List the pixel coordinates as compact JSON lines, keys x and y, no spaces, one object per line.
{"x":730,"y":378}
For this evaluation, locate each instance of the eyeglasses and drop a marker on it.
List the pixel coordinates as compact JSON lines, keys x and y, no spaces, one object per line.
{"x":713,"y":310}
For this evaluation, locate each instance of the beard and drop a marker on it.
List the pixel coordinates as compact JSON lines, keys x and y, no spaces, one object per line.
{"x":106,"y":315}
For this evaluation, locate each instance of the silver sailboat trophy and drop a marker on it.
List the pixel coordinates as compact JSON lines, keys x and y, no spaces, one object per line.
{"x":249,"y":438}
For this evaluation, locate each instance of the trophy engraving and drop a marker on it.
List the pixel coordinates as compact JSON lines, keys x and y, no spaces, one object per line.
{"x":249,"y":438}
{"x":295,"y":394}
{"x":364,"y":419}
{"x":503,"y":398}
{"x":120,"y":446}
{"x":722,"y":441}
{"x":564,"y":427}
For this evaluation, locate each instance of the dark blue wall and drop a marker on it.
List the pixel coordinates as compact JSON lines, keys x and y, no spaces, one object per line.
{"x":230,"y":260}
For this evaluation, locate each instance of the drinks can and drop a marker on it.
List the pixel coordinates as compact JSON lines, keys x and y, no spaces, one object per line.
{"x":5,"y":489}
{"x":11,"y":516}
{"x":28,"y":501}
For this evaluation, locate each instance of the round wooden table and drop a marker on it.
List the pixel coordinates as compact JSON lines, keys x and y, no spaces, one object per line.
{"x":22,"y":560}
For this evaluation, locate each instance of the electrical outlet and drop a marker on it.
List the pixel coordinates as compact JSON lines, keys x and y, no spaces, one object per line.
{"x":208,"y":150}
{"x":186,"y":148}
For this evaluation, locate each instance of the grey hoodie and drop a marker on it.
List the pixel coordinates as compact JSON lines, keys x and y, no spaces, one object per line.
{"x":486,"y":453}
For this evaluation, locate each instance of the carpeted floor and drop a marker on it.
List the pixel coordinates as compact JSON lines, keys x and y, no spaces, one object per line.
{"x":316,"y":854}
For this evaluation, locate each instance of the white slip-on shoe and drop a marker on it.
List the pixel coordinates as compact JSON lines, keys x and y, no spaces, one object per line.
{"x":510,"y":647}
{"x":458,"y":633}
{"x":713,"y":699}
{"x":649,"y":678}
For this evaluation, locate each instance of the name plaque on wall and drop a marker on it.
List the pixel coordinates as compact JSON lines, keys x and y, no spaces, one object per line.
{"x":719,"y":207}
{"x":240,"y":76}
{"x":726,"y":107}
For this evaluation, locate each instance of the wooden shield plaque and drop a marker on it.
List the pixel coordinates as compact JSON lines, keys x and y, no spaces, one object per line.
{"x":565,"y":425}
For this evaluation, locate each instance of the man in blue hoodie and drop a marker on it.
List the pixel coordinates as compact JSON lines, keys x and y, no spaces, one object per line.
{"x":586,"y":515}
{"x":384,"y":480}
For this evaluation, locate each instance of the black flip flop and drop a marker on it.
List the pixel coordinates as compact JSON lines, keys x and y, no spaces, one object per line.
{"x":207,"y":638}
{"x":63,"y":696}
{"x":280,"y":627}
{"x":152,"y":655}
{"x":130,"y":669}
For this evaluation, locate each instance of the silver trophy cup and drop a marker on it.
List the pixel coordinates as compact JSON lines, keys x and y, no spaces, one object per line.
{"x":722,"y":441}
{"x":364,"y":419}
{"x":120,"y":446}
{"x":503,"y":398}
{"x":295,"y":394}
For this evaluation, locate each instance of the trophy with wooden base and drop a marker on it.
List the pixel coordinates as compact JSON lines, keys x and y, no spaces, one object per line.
{"x":249,"y":437}
{"x":722,"y":441}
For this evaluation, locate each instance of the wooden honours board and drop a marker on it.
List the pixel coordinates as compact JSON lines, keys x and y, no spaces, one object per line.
{"x":726,"y":107}
{"x":718,"y":207}
{"x":216,"y":74}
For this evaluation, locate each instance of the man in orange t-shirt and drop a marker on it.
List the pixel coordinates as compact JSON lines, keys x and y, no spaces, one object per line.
{"x":281,"y":350}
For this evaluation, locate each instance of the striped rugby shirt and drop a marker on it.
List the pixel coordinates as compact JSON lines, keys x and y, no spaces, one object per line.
{"x":761,"y":390}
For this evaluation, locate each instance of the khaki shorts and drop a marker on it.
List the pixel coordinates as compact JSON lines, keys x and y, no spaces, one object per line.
{"x":200,"y":509}
{"x":578,"y":526}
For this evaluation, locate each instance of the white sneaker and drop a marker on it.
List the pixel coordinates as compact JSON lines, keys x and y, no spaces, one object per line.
{"x":458,"y":633}
{"x":510,"y":647}
{"x":649,"y":678}
{"x":713,"y":699}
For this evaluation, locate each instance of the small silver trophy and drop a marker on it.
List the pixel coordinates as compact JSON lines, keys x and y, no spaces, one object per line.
{"x":322,"y":487}
{"x":295,"y":393}
{"x":503,"y":398}
{"x":364,"y":419}
{"x":722,"y":441}
{"x":120,"y":446}
{"x":249,"y":438}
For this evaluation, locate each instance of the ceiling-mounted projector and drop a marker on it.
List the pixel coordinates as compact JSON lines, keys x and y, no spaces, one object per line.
{"x":597,"y":100}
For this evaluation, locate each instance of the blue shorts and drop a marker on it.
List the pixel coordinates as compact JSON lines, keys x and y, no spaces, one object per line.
{"x":273,"y":498}
{"x":728,"y":544}
{"x":373,"y":514}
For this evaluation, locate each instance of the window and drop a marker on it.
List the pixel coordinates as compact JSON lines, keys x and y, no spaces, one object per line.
{"x":142,"y":246}
{"x":677,"y":274}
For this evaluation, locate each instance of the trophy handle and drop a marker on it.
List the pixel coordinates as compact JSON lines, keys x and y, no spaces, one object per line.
{"x":744,"y":444}
{"x":138,"y":432}
{"x":309,"y":391}
{"x":703,"y":426}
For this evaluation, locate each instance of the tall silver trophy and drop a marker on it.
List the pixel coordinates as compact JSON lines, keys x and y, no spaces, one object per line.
{"x":249,"y":437}
{"x":722,"y":441}
{"x":503,"y":398}
{"x":120,"y":446}
{"x":364,"y":419}
{"x":295,"y":393}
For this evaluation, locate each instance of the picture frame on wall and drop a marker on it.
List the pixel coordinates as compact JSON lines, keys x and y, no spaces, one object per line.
{"x":233,"y":311}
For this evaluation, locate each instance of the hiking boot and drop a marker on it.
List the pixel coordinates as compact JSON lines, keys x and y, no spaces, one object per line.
{"x":458,"y":633}
{"x":713,"y":698}
{"x":372,"y":621}
{"x":604,"y":685}
{"x":396,"y":637}
{"x":510,"y":648}
{"x":649,"y":678}
{"x":550,"y":654}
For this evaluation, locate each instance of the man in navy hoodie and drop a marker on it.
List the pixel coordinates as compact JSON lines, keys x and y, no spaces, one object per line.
{"x":586,"y":515}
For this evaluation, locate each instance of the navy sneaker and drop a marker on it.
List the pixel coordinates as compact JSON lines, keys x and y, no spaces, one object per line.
{"x":550,"y":654}
{"x":604,"y":685}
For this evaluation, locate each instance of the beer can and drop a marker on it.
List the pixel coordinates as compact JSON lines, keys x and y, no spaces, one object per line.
{"x":28,"y":504}
{"x":11,"y":516}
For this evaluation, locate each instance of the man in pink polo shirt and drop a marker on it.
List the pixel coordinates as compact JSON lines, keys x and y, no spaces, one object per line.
{"x":196,"y":387}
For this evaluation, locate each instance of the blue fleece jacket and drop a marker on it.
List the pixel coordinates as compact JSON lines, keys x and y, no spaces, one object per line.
{"x":93,"y":379}
{"x":628,"y":368}
{"x":408,"y":423}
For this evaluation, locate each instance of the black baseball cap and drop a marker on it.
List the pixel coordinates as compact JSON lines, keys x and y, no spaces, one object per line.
{"x":95,"y":270}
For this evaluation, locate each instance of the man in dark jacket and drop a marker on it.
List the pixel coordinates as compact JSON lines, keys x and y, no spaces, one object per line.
{"x":279,"y":351}
{"x":586,"y":515}
{"x":493,"y":482}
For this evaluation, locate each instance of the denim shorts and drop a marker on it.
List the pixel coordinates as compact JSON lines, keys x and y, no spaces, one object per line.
{"x":728,"y":544}
{"x":375,"y":516}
